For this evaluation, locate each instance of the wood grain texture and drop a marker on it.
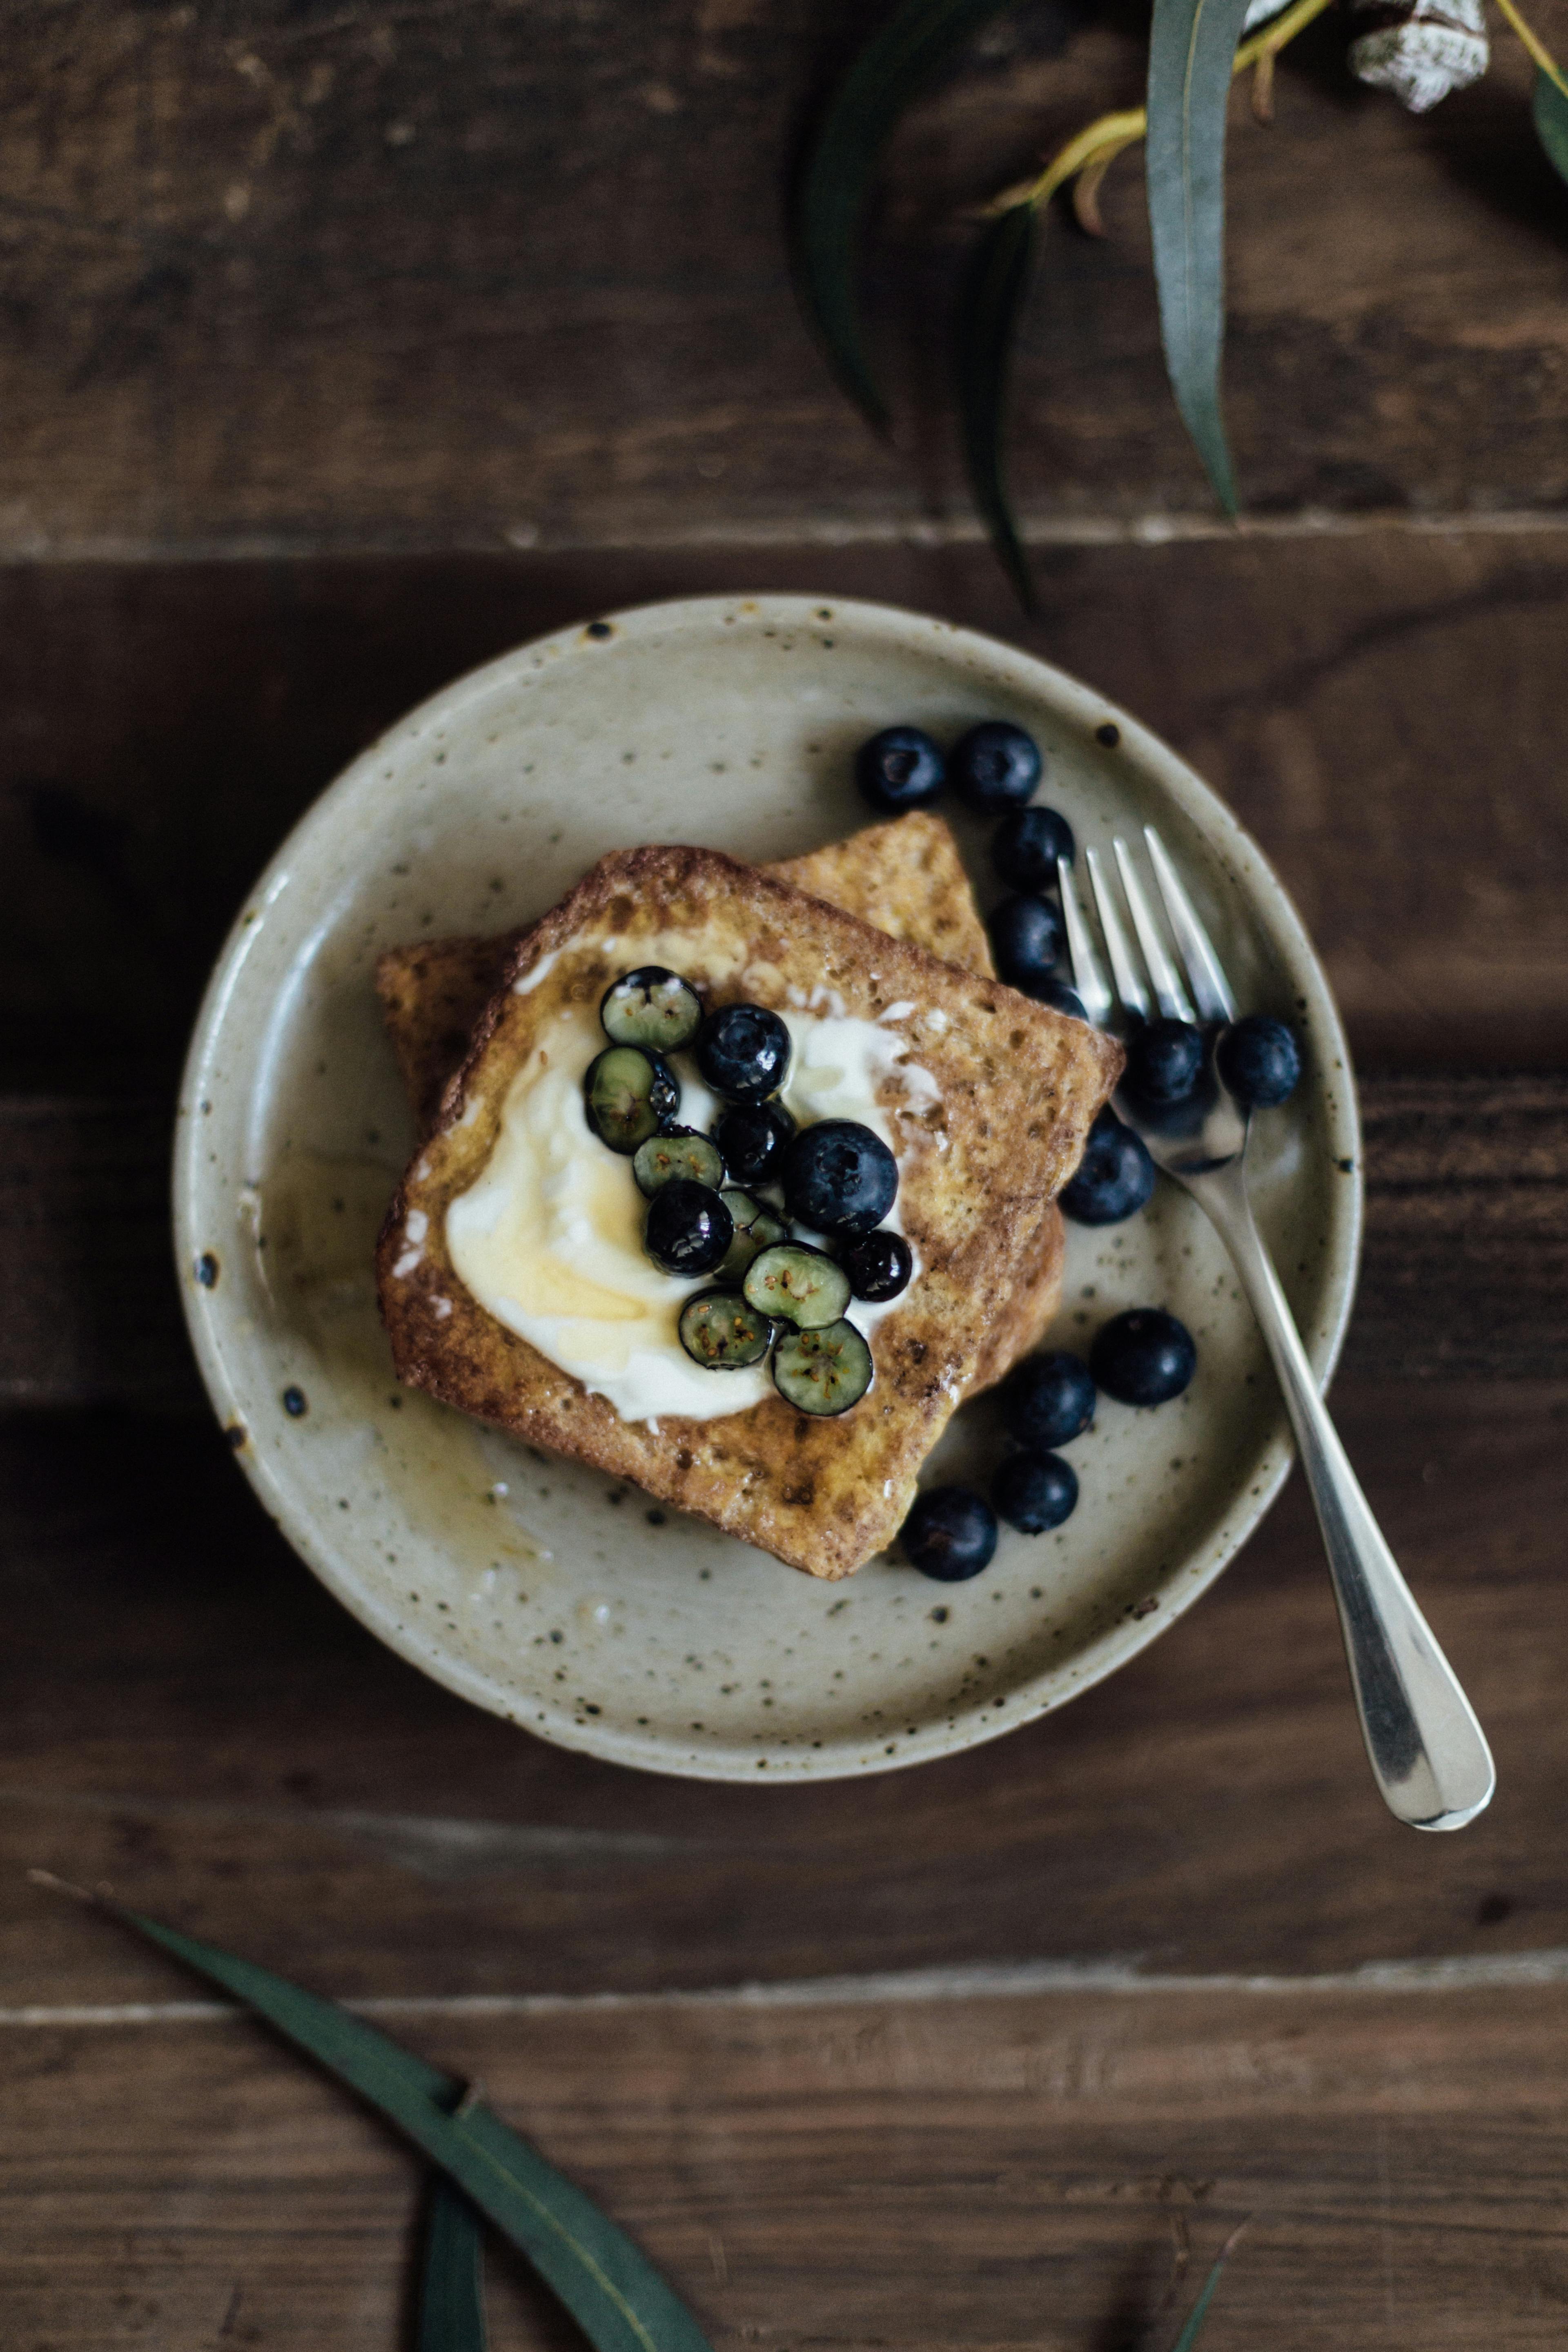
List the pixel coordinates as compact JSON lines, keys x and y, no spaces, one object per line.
{"x":332,"y":278}
{"x":1466,"y":1248}
{"x":92,"y":1312}
{"x":1380,"y":708}
{"x":999,"y":2173}
{"x":186,"y":1715}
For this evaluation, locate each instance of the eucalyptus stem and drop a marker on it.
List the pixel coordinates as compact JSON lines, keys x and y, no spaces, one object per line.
{"x":1092,"y":148}
{"x":1535,"y":46}
{"x":1112,"y":131}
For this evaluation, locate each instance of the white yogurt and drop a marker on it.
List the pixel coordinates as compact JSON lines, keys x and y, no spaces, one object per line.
{"x":549,"y":1240}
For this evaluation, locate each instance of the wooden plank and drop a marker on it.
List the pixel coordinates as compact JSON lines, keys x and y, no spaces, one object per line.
{"x":185,"y":1713}
{"x":1465,"y":1273}
{"x":1002,"y":2174}
{"x":1379,"y":709}
{"x":327,"y":279}
{"x":92,"y":1310}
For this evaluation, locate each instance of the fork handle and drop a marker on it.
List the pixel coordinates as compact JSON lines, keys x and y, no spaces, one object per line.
{"x":1428,"y":1753}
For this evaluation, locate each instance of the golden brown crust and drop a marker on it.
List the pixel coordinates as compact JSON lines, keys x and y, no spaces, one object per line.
{"x":906,"y":879}
{"x":1017,"y":1087}
{"x":432,"y":996}
{"x":1030,"y":1308}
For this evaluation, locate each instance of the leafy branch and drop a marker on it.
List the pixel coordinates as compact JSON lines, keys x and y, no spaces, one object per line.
{"x":1196,"y":51}
{"x":1187,"y":214}
{"x":1093,"y":150}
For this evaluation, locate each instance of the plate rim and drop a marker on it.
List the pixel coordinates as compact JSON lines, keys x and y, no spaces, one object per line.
{"x":1079,"y":705}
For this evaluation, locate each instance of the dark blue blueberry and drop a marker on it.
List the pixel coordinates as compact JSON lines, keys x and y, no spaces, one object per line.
{"x":1026,"y":937}
{"x":1048,"y":1401}
{"x":752,"y":1137}
{"x":1060,"y":997}
{"x":1165,"y":1062}
{"x":879,"y":1266}
{"x":1145,"y":1357}
{"x":742,"y":1051}
{"x":839,"y":1178}
{"x":1259,"y":1061}
{"x":994,"y":767}
{"x":950,"y":1534}
{"x":1034,"y":1491}
{"x":899,"y":769}
{"x":1026,"y":848}
{"x":1115,"y":1177}
{"x":687,"y":1229}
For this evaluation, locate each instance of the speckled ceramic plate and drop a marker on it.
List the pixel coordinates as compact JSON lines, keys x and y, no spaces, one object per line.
{"x":541,"y":1589}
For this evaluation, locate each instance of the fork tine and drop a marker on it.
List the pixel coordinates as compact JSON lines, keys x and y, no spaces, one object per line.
{"x":1205,"y":974}
{"x":1169,"y":995}
{"x":1124,"y":970}
{"x":1088,"y":978}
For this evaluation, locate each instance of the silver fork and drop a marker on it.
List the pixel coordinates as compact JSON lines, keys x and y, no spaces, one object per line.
{"x":1428,"y":1753}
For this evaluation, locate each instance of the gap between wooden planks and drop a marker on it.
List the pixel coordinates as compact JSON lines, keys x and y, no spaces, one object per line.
{"x":1452,"y":1972}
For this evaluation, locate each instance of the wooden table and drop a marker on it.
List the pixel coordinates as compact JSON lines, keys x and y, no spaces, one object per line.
{"x":341,"y":349}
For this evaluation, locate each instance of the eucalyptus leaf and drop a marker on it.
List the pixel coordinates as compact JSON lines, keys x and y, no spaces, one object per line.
{"x":1550,"y":108}
{"x":612,"y":2292}
{"x":452,"y":2280}
{"x":1199,"y":2312}
{"x":996,"y":287}
{"x":1191,"y":54}
{"x":835,"y":186}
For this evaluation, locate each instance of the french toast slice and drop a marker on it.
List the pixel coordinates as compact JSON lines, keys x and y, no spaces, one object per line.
{"x":1007,"y":1091}
{"x":906,"y":877}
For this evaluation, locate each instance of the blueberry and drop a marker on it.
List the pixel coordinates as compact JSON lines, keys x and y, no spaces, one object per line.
{"x":879,"y":1266}
{"x":743,"y":1051}
{"x":899,"y":769}
{"x":628,"y":1094}
{"x":950,"y":1534}
{"x":1048,"y":1400}
{"x":1026,"y":845}
{"x":1034,"y":1491}
{"x":687,"y":1229}
{"x":1115,"y":1177}
{"x":1259,"y":1061}
{"x":1165,"y":1062}
{"x":752,"y":1137}
{"x":1026,"y":936}
{"x":995,"y":766}
{"x":1145,"y":1357}
{"x":839,"y":1178}
{"x":1060,"y":997}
